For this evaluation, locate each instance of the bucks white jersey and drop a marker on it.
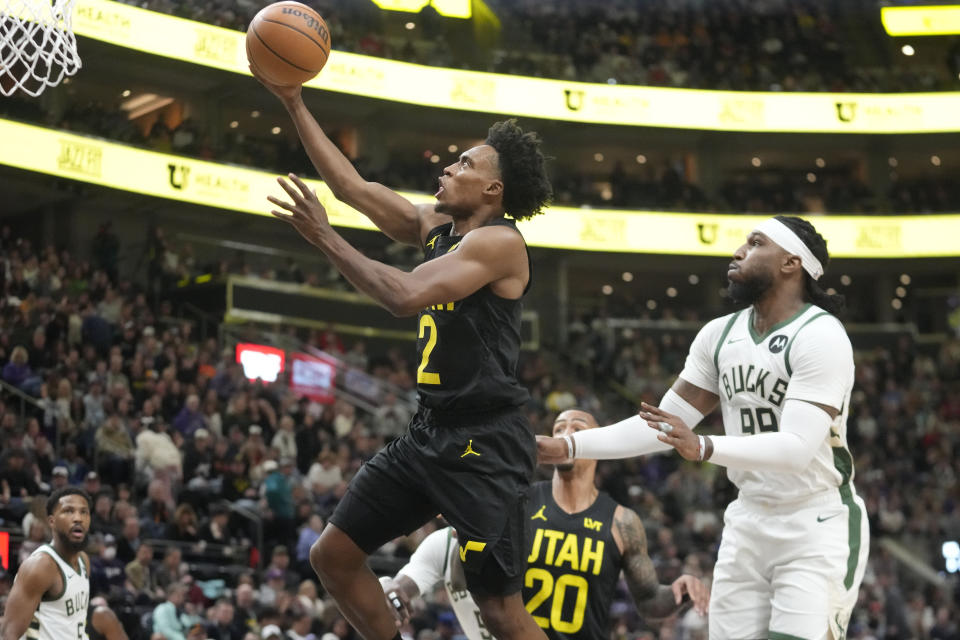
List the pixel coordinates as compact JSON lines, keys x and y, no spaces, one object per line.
{"x":435,"y":561}
{"x":807,"y":357}
{"x":65,"y":616}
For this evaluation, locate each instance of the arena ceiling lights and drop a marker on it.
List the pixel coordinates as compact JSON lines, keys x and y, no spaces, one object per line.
{"x":117,"y":166}
{"x":378,"y":78}
{"x":942,"y":20}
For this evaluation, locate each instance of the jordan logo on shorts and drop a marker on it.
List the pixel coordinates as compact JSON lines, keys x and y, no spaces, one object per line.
{"x":539,"y":514}
{"x":469,"y":451}
{"x":472,"y":545}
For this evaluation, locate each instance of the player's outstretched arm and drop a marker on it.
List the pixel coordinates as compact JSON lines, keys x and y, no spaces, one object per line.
{"x":35,"y":578}
{"x":393,"y":214}
{"x":484,"y":256}
{"x":629,"y":438}
{"x":653,"y":600}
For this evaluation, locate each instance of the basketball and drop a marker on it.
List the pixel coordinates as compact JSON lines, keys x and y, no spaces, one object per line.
{"x":288,"y":43}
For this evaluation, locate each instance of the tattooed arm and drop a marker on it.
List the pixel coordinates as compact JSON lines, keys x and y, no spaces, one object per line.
{"x":653,"y":600}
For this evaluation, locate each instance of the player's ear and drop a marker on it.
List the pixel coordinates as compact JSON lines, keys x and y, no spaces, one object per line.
{"x":494,"y":188}
{"x":791,"y":264}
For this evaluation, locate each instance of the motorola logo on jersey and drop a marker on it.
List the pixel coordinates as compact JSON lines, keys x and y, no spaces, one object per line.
{"x":778,"y":343}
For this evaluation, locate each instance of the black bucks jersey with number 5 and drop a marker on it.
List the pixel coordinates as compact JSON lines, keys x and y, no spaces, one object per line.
{"x":573,"y":566}
{"x":467,"y":350}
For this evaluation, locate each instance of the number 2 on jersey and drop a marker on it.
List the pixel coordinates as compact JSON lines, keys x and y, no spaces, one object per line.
{"x":424,"y":376}
{"x":559,"y":592}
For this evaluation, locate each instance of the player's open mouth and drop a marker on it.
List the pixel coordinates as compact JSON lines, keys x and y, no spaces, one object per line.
{"x":439,"y":191}
{"x":77,"y":532}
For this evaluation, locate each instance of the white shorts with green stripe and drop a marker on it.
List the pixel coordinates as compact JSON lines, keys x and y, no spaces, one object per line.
{"x":789,"y":571}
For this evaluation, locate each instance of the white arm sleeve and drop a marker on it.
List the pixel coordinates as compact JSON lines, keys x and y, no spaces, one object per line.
{"x":803,"y":427}
{"x":633,"y":437}
{"x":425,"y":567}
{"x":625,"y":439}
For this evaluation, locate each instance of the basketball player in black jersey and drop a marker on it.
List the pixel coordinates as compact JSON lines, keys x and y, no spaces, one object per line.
{"x":582,"y":541}
{"x":469,"y":452}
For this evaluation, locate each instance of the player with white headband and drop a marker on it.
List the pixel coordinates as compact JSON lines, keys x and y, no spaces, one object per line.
{"x":795,"y":541}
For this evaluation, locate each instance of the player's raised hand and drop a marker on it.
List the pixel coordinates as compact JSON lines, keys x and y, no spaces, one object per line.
{"x":551,"y":450}
{"x":305,"y":214}
{"x":698,"y":592}
{"x":673,"y":431}
{"x":286,"y":93}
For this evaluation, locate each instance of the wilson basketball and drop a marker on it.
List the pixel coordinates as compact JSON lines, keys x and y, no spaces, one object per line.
{"x":288,"y":43}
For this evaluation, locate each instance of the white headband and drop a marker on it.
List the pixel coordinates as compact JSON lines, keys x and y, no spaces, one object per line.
{"x":792,"y":244}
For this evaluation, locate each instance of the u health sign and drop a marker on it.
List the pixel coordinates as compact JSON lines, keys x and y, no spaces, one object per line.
{"x":432,"y":87}
{"x":161,"y":175}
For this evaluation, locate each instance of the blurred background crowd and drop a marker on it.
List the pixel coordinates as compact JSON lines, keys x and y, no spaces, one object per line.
{"x":209,"y":488}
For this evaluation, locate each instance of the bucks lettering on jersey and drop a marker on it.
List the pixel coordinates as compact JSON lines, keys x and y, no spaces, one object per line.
{"x":63,"y":617}
{"x":573,"y":566}
{"x":807,"y":357}
{"x":468,"y":349}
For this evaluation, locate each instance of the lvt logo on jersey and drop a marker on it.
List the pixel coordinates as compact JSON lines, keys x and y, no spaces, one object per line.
{"x":590,"y":523}
{"x":777,"y":343}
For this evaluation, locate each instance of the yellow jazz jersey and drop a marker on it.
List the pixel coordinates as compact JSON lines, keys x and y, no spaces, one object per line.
{"x":573,"y":566}
{"x":807,"y":357}
{"x":63,"y":617}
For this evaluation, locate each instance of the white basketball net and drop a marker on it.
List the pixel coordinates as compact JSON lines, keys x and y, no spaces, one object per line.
{"x":37,"y":45}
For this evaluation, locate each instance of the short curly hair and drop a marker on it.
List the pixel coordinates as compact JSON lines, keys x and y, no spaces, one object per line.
{"x":526,"y":187}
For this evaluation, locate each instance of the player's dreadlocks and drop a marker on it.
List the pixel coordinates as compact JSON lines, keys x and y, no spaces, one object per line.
{"x":836,"y":303}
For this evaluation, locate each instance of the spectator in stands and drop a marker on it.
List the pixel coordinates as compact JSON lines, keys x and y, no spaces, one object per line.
{"x":184,"y":526}
{"x":157,"y":455}
{"x":190,"y":417}
{"x":18,"y":372}
{"x":138,"y":573}
{"x":284,"y":440}
{"x":101,"y":520}
{"x":172,"y":570}
{"x":157,"y":509}
{"x":278,"y":490}
{"x":300,"y":627}
{"x":59,"y":478}
{"x":391,"y":417}
{"x":198,"y":459}
{"x":115,"y":451}
{"x":107,"y":575}
{"x":129,"y":543}
{"x":220,"y":624}
{"x":309,"y":533}
{"x":17,"y":483}
{"x":94,"y":411}
{"x":216,"y":530}
{"x":168,"y":618}
{"x":246,"y":612}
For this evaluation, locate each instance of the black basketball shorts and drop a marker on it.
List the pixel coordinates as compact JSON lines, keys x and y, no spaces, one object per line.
{"x":473,"y":470}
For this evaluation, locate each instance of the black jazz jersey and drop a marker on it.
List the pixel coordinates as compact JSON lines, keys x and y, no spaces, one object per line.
{"x":467,"y":350}
{"x":573,"y":566}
